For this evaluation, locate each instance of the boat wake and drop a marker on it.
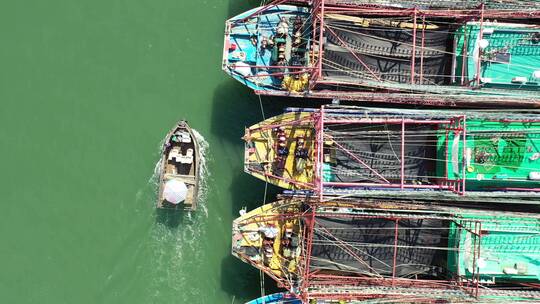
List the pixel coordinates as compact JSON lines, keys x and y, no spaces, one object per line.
{"x":176,"y":235}
{"x":204,"y":174}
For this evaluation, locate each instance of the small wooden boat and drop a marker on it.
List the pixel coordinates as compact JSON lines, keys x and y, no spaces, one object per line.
{"x":179,"y":169}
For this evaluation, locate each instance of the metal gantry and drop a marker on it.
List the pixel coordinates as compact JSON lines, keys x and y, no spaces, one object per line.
{"x":314,"y":283}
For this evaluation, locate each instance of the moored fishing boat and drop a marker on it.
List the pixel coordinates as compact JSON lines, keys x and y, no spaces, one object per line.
{"x":405,"y":295}
{"x":434,"y":57}
{"x":276,"y":298}
{"x":368,"y":249}
{"x":492,"y":6}
{"x":179,"y":169}
{"x":397,"y":152}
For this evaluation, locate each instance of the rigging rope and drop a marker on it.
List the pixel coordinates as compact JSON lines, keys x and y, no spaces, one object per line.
{"x":261,"y":275}
{"x":262,"y":108}
{"x":265,"y":190}
{"x":411,"y":44}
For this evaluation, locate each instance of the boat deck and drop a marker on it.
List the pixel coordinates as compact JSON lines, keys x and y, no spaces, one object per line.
{"x":360,"y":245}
{"x":253,"y":47}
{"x":509,"y":250}
{"x":264,"y":160}
{"x":269,"y":240}
{"x":378,"y":150}
{"x":179,"y":162}
{"x":366,"y":246}
{"x":499,"y":155}
{"x":363,"y":55}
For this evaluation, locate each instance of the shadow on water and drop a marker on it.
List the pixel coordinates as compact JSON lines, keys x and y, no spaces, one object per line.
{"x":248,"y":191}
{"x":238,"y":7}
{"x":170,"y":218}
{"x":235,"y":107}
{"x":242,"y":280}
{"x":239,"y":279}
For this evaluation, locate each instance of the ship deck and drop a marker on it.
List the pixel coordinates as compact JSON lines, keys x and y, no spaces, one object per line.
{"x":388,"y":244}
{"x":252,"y":46}
{"x":352,"y":152}
{"x":412,"y":56}
{"x":264,"y":160}
{"x":269,"y":237}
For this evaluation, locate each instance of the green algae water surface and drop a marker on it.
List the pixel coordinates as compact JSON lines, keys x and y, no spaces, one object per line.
{"x":88,"y":90}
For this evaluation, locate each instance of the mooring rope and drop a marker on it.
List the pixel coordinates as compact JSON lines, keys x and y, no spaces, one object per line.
{"x":265,"y":190}
{"x":261,"y":274}
{"x":266,"y":182}
{"x":262,"y":108}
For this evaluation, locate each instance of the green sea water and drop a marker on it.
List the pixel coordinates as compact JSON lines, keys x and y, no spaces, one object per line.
{"x":88,"y":90}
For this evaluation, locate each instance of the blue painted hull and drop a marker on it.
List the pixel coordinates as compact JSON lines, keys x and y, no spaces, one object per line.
{"x":243,"y":52}
{"x":276,"y":298}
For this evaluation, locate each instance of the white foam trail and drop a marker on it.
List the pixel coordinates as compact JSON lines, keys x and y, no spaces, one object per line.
{"x":171,"y":244}
{"x":204,"y":174}
{"x":154,"y":179}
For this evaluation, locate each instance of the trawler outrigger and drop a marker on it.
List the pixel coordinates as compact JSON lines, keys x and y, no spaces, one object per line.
{"x":467,"y":54}
{"x":369,"y":249}
{"x":388,"y":152}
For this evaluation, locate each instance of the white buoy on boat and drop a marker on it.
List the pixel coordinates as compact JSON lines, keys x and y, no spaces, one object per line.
{"x":175,"y":191}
